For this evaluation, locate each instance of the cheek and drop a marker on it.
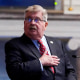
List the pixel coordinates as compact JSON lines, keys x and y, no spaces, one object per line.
{"x":25,"y":26}
{"x":43,"y":27}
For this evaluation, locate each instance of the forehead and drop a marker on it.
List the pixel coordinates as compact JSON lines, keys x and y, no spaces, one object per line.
{"x":34,"y":14}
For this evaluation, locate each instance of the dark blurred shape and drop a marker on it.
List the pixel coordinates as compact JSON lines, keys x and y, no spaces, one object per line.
{"x":25,"y":3}
{"x":75,"y":56}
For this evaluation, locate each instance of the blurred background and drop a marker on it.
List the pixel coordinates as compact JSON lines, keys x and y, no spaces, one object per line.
{"x":64,"y":24}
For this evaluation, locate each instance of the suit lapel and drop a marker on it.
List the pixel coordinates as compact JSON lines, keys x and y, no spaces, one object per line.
{"x":52,"y":45}
{"x":34,"y":50}
{"x":28,"y":43}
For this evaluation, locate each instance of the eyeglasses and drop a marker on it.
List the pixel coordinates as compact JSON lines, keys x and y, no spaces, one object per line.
{"x":35,"y":20}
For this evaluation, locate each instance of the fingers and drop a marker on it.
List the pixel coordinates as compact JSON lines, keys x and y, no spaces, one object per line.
{"x":55,"y":61}
{"x":54,"y":56}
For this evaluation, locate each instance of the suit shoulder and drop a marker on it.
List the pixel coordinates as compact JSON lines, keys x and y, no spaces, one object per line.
{"x":53,"y":39}
{"x":13,"y":40}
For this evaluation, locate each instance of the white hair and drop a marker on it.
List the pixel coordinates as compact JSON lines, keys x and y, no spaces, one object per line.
{"x":35,"y":8}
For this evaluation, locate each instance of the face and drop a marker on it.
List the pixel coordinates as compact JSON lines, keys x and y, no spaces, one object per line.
{"x":34,"y":29}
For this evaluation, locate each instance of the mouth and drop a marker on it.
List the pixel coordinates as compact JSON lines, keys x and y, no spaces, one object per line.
{"x":33,"y":28}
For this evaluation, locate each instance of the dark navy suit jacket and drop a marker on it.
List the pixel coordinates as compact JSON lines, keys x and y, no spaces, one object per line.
{"x":22,"y":61}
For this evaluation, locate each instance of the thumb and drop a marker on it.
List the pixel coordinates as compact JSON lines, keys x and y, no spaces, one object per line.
{"x":46,"y":52}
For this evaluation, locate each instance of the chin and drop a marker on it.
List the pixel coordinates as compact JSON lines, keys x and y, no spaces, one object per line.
{"x":35,"y":37}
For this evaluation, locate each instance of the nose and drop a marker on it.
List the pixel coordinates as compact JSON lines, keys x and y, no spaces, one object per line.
{"x":33,"y":22}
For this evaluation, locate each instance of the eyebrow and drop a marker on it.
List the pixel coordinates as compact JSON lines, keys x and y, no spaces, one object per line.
{"x":33,"y":17}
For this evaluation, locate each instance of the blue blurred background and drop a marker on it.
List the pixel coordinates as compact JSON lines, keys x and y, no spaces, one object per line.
{"x":3,"y":74}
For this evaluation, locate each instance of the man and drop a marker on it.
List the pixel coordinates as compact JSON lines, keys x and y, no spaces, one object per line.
{"x":24,"y":60}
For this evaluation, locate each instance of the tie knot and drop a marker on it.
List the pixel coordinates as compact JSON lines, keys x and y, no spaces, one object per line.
{"x":40,"y":42}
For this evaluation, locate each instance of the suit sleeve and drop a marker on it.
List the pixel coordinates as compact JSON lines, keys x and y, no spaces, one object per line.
{"x":16,"y":67}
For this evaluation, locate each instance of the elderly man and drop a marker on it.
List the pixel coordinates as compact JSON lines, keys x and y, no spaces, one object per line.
{"x":35,"y":56}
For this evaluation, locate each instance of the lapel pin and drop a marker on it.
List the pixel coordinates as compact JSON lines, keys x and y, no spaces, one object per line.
{"x":51,"y":42}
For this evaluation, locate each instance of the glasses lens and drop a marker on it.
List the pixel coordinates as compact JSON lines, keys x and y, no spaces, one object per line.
{"x":29,"y":19}
{"x":36,"y":20}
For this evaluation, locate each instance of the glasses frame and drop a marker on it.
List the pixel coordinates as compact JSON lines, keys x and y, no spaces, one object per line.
{"x":35,"y":19}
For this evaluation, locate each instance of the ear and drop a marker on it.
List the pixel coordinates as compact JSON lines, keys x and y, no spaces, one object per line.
{"x":46,"y":24}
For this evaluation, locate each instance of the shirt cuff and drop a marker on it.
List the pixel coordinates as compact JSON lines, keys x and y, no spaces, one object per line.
{"x":41,"y":65}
